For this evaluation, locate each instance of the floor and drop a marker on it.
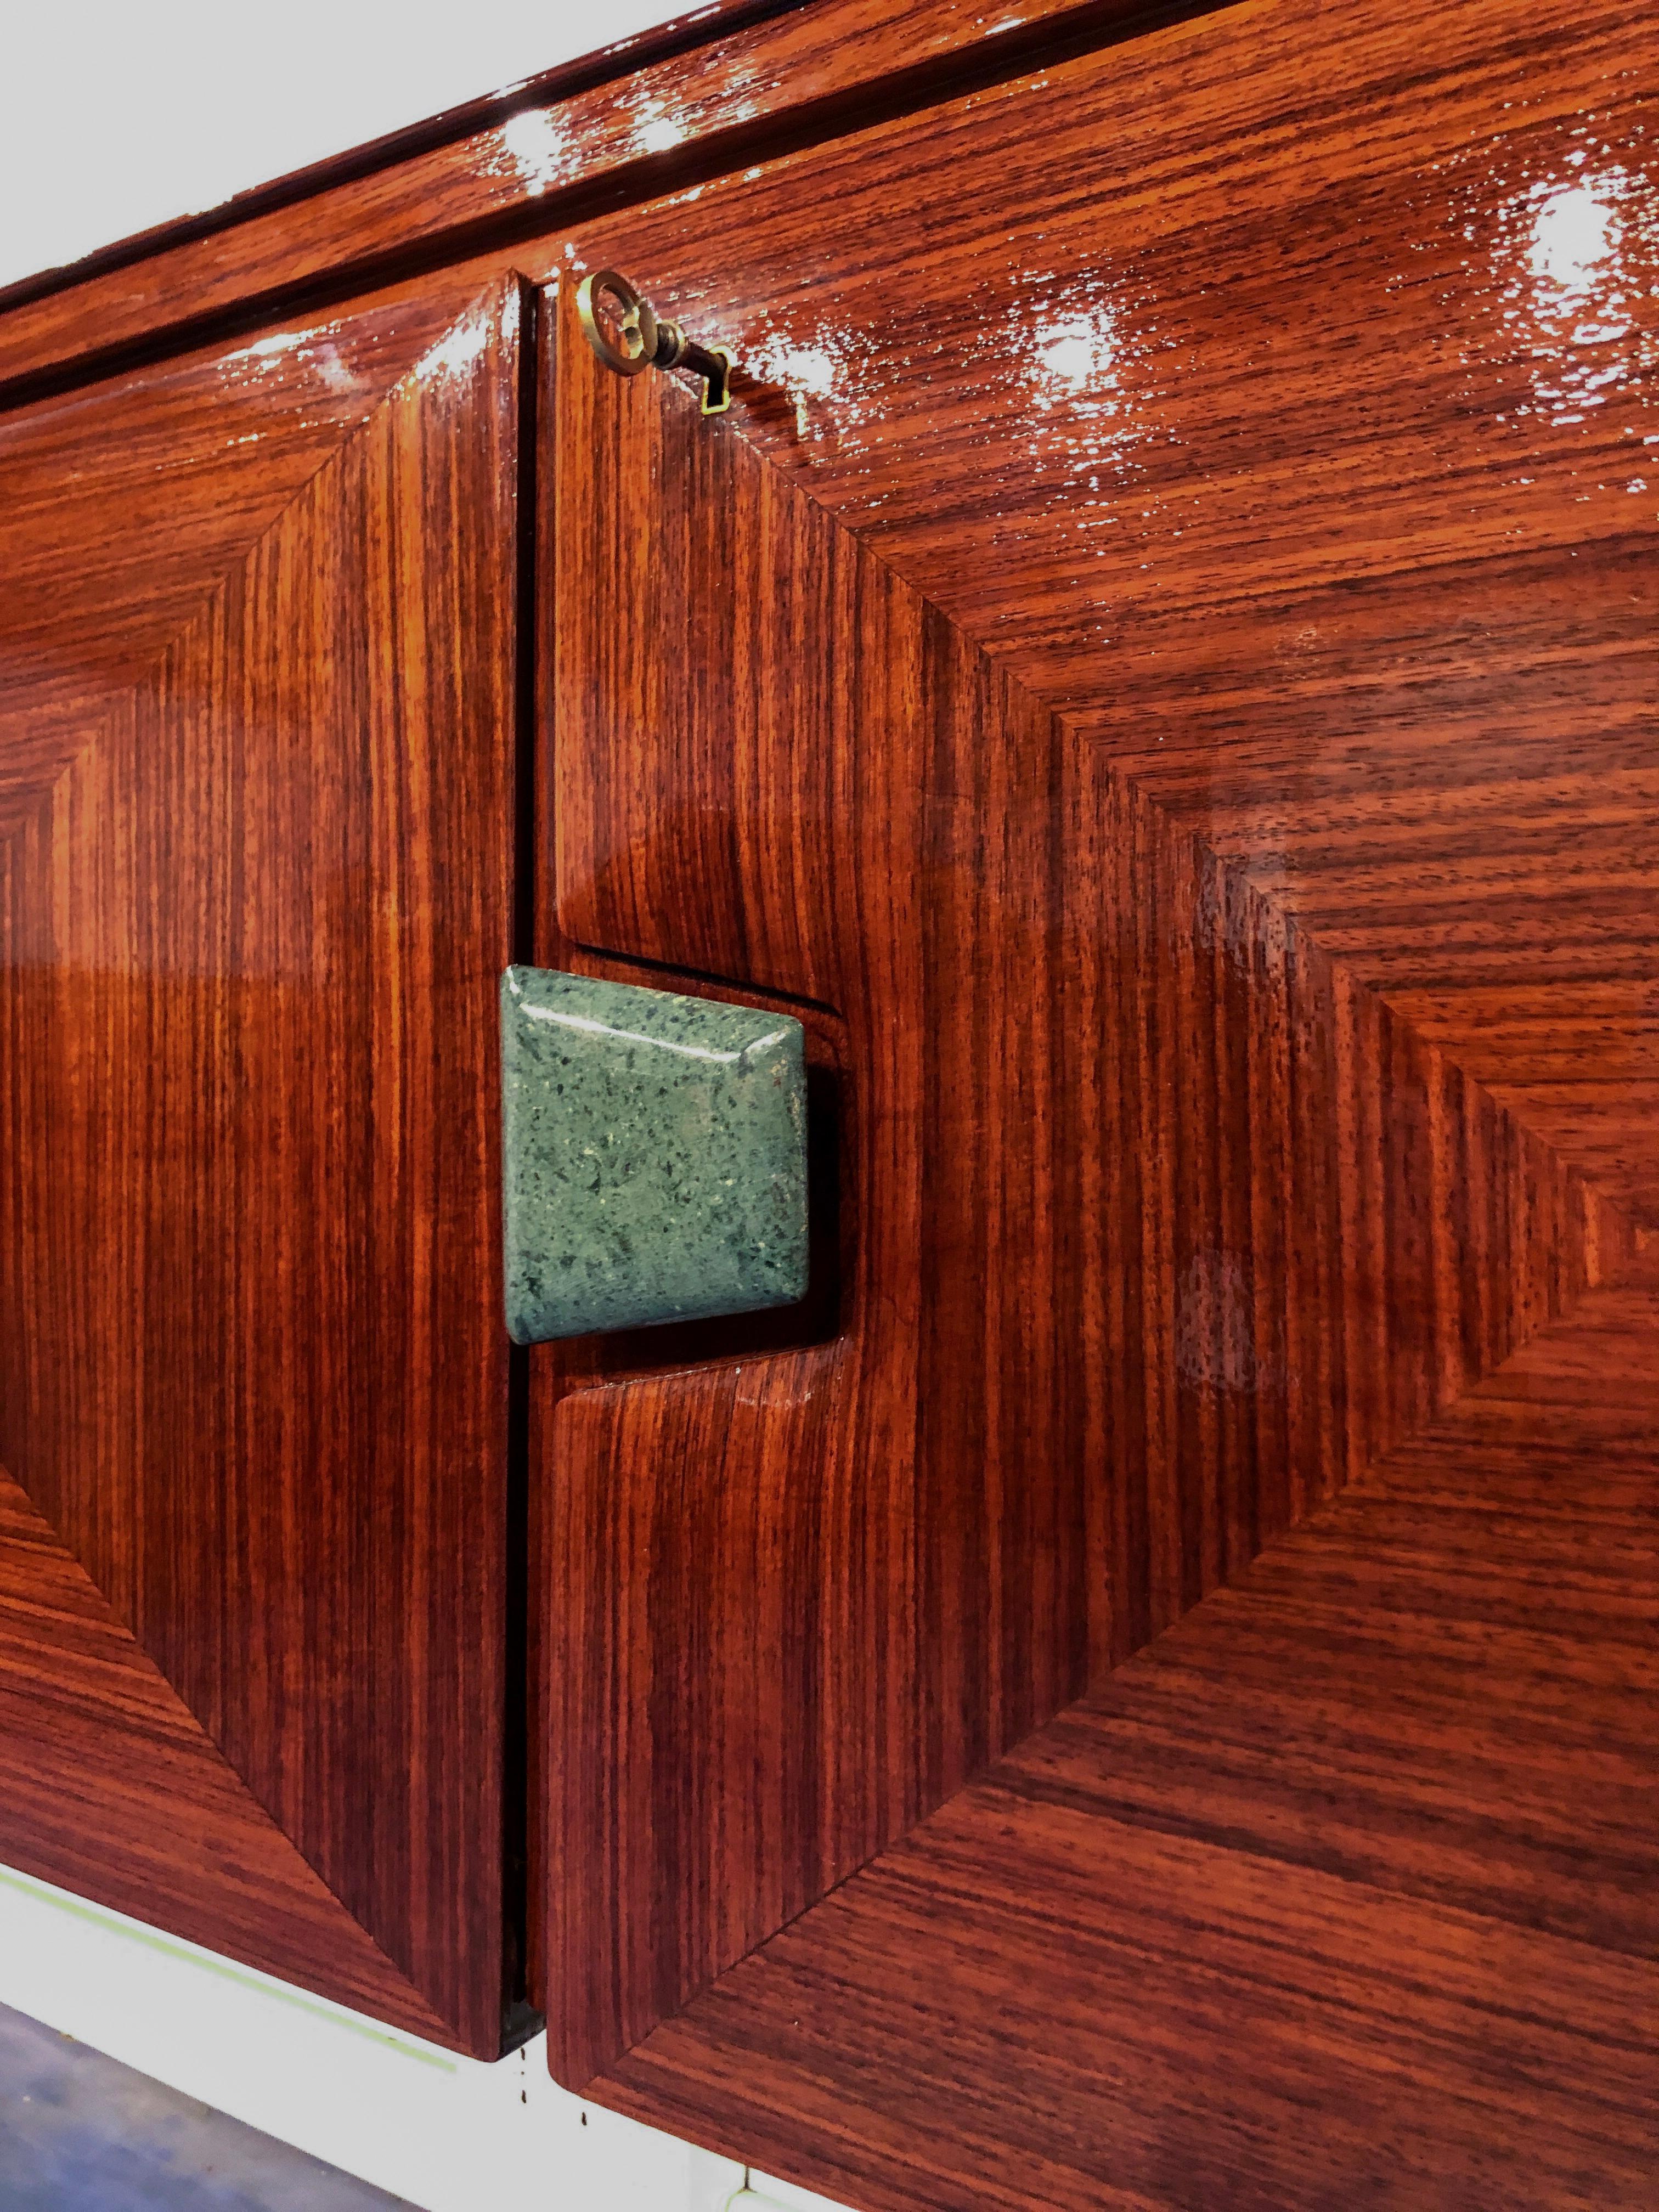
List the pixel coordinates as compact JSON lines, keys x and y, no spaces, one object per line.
{"x":80,"y":2133}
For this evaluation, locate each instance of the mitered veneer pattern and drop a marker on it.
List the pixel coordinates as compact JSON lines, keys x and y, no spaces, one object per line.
{"x":1331,"y":479}
{"x":1168,"y":1225}
{"x":97,"y":1744}
{"x":126,"y":508}
{"x":253,"y":1372}
{"x":1281,"y":516}
{"x":1251,"y":423}
{"x":1342,"y":1892}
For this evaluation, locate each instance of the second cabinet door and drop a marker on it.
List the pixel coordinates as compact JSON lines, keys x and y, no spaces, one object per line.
{"x":1173,"y":714}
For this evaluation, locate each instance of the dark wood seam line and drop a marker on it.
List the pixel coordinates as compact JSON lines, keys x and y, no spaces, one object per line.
{"x":447,"y":2033}
{"x":520,"y":2018}
{"x":797,"y":130}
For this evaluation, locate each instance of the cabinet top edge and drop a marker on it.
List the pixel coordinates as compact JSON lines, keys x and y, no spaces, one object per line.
{"x":732,"y":82}
{"x":679,"y":34}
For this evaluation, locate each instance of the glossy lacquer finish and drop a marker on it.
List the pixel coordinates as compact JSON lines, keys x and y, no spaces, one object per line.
{"x":655,"y":1156}
{"x":257,"y":676}
{"x":1181,"y":693}
{"x":716,"y":89}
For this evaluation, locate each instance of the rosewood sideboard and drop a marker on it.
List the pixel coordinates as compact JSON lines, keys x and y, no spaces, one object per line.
{"x":1136,"y":1690}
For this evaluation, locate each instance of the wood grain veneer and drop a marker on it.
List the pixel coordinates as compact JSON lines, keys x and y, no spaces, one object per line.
{"x":1093,"y":1074}
{"x":125,"y":506}
{"x":252,"y":1374}
{"x":726,"y":90}
{"x":1206,"y":591}
{"x":1184,"y":603}
{"x":1342,"y":1892}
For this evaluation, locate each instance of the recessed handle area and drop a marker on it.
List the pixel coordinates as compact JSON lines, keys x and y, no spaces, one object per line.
{"x":654,"y":1155}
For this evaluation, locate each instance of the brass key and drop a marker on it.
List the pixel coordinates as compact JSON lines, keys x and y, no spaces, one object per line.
{"x":629,"y":336}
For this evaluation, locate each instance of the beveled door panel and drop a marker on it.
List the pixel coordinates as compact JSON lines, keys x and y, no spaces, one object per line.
{"x":1163,"y":647}
{"x":257,"y":663}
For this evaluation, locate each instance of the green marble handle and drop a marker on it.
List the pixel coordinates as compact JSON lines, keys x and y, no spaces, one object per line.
{"x":654,"y":1155}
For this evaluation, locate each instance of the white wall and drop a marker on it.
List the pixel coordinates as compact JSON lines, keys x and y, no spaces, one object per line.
{"x":116,"y":114}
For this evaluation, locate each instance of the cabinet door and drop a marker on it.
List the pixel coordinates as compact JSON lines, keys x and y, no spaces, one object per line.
{"x":1162,"y":647}
{"x":256,"y":796}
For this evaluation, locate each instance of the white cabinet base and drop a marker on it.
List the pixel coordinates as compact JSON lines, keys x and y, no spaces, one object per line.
{"x":447,"y":2133}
